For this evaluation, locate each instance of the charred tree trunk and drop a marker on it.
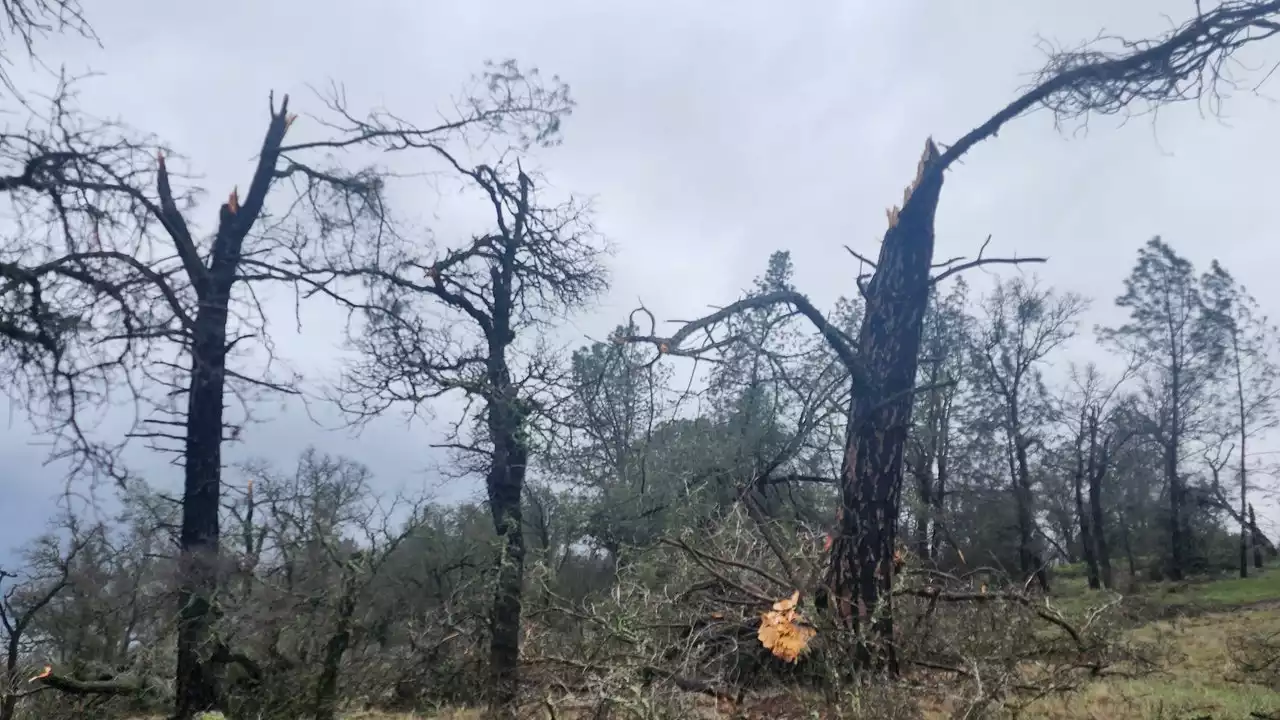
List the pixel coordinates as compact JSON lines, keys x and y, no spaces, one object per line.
{"x":860,"y":575}
{"x":196,"y":679}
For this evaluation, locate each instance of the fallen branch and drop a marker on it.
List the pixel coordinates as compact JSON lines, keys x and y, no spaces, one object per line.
{"x":122,"y":685}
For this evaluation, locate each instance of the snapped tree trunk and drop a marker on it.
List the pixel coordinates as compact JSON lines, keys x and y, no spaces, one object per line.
{"x":196,"y":678}
{"x":860,"y":574}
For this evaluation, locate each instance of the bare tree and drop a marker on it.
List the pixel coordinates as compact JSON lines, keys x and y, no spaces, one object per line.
{"x":26,"y":22}
{"x":469,"y":319}
{"x":1095,"y":415}
{"x":1021,"y":325}
{"x":183,"y":304}
{"x":27,"y":597}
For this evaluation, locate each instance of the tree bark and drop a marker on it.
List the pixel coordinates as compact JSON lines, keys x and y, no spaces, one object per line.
{"x":506,"y":416}
{"x":505,"y":485}
{"x":196,"y":679}
{"x":860,"y":574}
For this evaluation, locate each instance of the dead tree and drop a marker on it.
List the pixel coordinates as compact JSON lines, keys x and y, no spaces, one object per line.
{"x":1182,"y":65}
{"x":179,"y":305}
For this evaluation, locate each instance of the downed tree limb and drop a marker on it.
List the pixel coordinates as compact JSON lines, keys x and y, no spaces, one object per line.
{"x":124,"y":685}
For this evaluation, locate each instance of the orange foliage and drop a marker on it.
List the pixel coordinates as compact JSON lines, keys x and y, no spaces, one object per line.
{"x":782,"y":630}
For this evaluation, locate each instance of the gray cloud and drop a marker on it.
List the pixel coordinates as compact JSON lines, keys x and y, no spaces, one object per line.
{"x":711,"y":134}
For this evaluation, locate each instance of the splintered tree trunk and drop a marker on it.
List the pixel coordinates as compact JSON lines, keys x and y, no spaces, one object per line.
{"x":861,"y":571}
{"x":505,"y":484}
{"x":196,"y":679}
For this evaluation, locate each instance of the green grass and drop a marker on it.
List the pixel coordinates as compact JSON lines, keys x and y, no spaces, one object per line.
{"x":1236,"y":591}
{"x":1072,"y":594}
{"x":1199,"y":680}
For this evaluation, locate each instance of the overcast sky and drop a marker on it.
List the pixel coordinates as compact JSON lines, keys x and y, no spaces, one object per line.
{"x":710,"y":134}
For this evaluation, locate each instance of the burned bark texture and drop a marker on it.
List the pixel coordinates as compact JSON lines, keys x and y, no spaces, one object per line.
{"x":860,"y":574}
